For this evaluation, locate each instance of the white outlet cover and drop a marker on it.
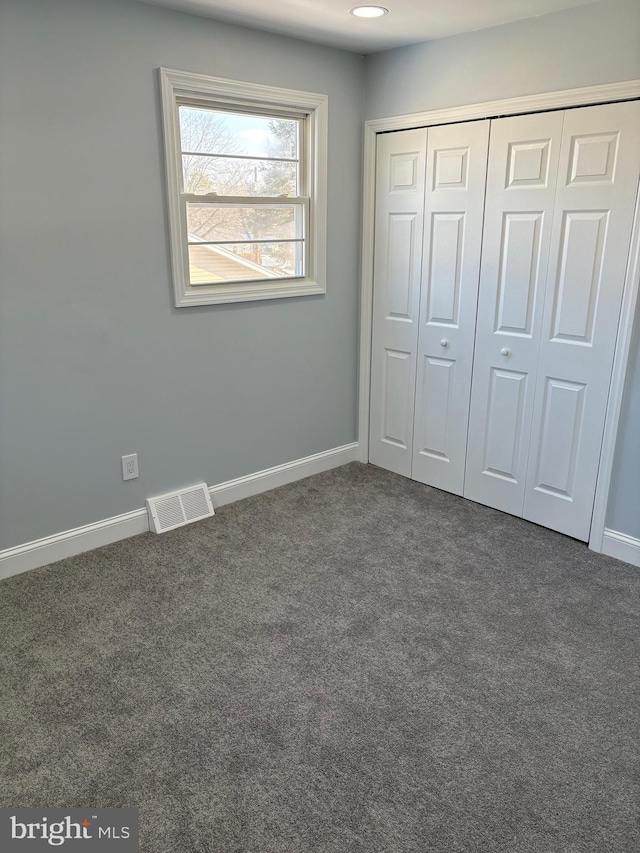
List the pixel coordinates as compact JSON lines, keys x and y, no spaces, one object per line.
{"x":130,"y":467}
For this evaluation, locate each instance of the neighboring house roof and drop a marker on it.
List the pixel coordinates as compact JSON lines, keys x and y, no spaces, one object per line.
{"x":209,"y":264}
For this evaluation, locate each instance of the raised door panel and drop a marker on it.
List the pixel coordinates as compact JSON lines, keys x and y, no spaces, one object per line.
{"x":519,"y":273}
{"x":400,"y":181}
{"x":400,"y":271}
{"x":433,"y":439}
{"x":397,"y":393}
{"x":577,"y":288}
{"x":504,"y":424}
{"x":445,"y":267}
{"x":597,"y":184}
{"x":455,"y":178}
{"x":562,"y":426}
{"x":523,"y":166}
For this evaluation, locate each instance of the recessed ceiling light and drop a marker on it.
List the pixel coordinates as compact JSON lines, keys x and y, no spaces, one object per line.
{"x":369,"y":11}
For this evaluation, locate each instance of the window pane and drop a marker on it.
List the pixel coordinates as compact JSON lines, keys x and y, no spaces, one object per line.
{"x":231,"y":176}
{"x":245,"y":261}
{"x":216,"y":132}
{"x":234,"y":223}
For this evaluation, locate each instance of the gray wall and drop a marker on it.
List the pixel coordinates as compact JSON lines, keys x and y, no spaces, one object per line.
{"x":584,"y":46}
{"x":95,"y":362}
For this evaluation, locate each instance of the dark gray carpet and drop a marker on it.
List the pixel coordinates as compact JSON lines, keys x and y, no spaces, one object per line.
{"x":354,"y":662}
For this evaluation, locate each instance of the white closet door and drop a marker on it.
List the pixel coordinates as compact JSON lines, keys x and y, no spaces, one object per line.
{"x":454,"y":205}
{"x":597,"y":184}
{"x":521,"y":182}
{"x":400,"y":173}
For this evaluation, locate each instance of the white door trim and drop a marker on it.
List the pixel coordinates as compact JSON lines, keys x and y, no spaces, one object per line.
{"x":585,"y":96}
{"x":616,"y":391}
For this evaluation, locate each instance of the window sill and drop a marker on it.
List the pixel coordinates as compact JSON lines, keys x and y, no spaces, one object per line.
{"x":243,"y":292}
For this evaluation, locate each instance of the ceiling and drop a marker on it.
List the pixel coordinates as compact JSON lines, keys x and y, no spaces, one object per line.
{"x":408,"y":21}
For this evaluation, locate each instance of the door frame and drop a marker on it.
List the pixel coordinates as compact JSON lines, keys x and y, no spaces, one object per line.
{"x":585,"y":96}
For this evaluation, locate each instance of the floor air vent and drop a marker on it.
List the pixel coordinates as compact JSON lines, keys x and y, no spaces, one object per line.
{"x":177,"y":508}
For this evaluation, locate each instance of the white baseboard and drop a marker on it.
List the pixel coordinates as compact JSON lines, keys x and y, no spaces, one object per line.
{"x":621,"y":546}
{"x":41,"y":552}
{"x":271,"y":478}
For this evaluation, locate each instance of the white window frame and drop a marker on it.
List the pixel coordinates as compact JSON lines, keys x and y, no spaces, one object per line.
{"x":215,"y":92}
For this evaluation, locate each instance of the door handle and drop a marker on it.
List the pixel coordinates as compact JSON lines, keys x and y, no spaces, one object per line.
{"x":505,"y":351}
{"x":444,"y":343}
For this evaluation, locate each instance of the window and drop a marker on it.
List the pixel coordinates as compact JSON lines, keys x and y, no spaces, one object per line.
{"x":246,"y":188}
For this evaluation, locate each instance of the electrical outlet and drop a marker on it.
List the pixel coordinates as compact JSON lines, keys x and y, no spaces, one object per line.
{"x":130,"y":467}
